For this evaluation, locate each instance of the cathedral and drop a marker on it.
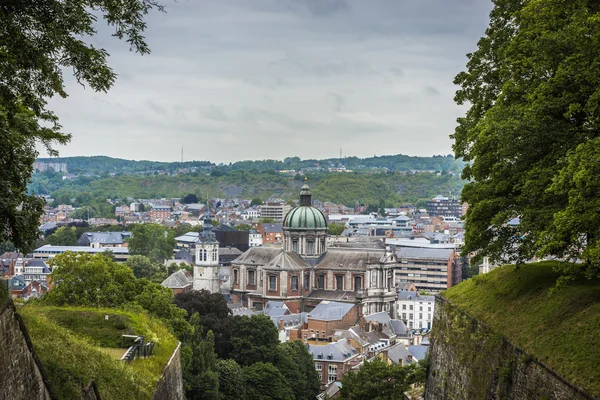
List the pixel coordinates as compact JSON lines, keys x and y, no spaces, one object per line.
{"x":307,"y":271}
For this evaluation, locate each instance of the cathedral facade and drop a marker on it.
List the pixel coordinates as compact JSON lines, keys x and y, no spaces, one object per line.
{"x":305,"y":271}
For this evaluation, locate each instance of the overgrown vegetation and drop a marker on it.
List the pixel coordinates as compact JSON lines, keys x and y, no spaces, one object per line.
{"x":532,"y":134}
{"x":560,"y":329}
{"x":344,"y":188}
{"x":71,"y":342}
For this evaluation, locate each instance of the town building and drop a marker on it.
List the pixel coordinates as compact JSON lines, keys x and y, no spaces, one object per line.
{"x":416,"y":310}
{"x":334,"y":360}
{"x":159,"y":212}
{"x":275,"y":210}
{"x":47,"y":251}
{"x":271,"y":233}
{"x":254,"y":238}
{"x":180,"y":281}
{"x":441,"y":206}
{"x":305,"y":271}
{"x":430,"y":269}
{"x":104,"y":239}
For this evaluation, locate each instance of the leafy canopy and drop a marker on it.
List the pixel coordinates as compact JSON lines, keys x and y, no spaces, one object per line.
{"x":153,"y":241}
{"x":531,"y":131}
{"x":40,"y":39}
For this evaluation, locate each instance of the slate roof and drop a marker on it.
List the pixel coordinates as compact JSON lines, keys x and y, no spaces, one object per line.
{"x":11,"y":255}
{"x":345,"y":260}
{"x":103,"y":237}
{"x":424,"y":254}
{"x":257,"y":256}
{"x":399,"y":354}
{"x":274,"y":228}
{"x":178,"y":280}
{"x":330,"y":310}
{"x":286,"y":260}
{"x":404,"y":295}
{"x":418,"y":352}
{"x":399,"y":327}
{"x":190,"y":237}
{"x":230,"y":251}
{"x":321,"y":294}
{"x":338,"y":351}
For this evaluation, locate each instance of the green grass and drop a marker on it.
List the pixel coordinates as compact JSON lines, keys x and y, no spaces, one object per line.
{"x":562,"y":330}
{"x":67,"y":341}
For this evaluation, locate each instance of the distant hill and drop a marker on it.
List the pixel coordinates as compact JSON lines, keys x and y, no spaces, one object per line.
{"x":103,"y":164}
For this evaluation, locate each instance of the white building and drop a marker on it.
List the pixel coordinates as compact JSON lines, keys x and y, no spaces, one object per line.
{"x":206,"y":269}
{"x":250,"y":213}
{"x":254,"y":239}
{"x":415,"y":310}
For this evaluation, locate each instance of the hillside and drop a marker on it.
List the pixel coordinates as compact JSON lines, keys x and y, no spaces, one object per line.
{"x":77,"y":344}
{"x":562,"y":330}
{"x":399,"y":162}
{"x":345,"y":188}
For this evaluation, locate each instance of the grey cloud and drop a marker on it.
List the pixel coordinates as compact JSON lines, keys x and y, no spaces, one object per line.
{"x":245,"y":79}
{"x":338,"y":101}
{"x":324,"y":8}
{"x":213,"y":113}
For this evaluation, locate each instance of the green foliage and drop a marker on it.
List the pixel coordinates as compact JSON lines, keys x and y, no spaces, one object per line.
{"x":243,"y":227}
{"x":143,"y":267}
{"x":231,"y":380}
{"x":201,"y":377}
{"x":90,"y":280}
{"x":189,"y":199}
{"x":336,"y":229}
{"x":530,"y":132}
{"x":153,"y":241}
{"x":254,"y":340}
{"x":256,"y":202}
{"x":69,"y":350}
{"x":560,"y":330}
{"x":96,"y":281}
{"x":214,"y":314}
{"x":85,"y":212}
{"x":63,"y":236}
{"x":376,"y":380}
{"x":266,"y":220}
{"x":265,"y":382}
{"x":297,"y":366}
{"x":39,"y":41}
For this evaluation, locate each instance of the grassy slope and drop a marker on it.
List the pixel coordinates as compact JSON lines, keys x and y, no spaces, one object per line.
{"x":67,"y":342}
{"x":562,"y":330}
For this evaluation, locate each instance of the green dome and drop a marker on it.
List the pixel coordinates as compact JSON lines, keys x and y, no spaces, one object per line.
{"x":305,"y":218}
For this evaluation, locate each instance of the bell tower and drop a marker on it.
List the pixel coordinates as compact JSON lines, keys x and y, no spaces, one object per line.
{"x":206,"y":270}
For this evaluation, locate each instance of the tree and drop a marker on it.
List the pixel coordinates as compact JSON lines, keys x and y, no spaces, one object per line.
{"x":142,"y":207}
{"x":85,"y":212}
{"x":63,"y":236}
{"x":256,"y":202}
{"x":255,"y":340}
{"x":153,"y":241}
{"x":142,"y":266}
{"x":201,"y":377}
{"x":90,"y":280}
{"x":265,"y":382}
{"x":40,"y":40}
{"x":376,"y":380}
{"x":532,"y":89}
{"x":96,"y":281}
{"x":189,"y":199}
{"x":231,"y":380}
{"x":266,"y":220}
{"x":214,"y":316}
{"x":243,"y":227}
{"x":336,"y":229}
{"x":298,"y":367}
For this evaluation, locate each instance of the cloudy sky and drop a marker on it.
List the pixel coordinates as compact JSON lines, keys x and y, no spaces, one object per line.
{"x":254,"y":79}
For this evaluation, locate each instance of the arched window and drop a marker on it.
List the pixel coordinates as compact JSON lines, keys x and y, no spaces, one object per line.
{"x":357,"y":282}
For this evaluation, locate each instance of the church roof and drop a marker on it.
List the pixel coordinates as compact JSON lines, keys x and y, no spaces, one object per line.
{"x":349,"y":259}
{"x":178,"y":279}
{"x":305,"y":218}
{"x":287,"y":260}
{"x":257,"y":256}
